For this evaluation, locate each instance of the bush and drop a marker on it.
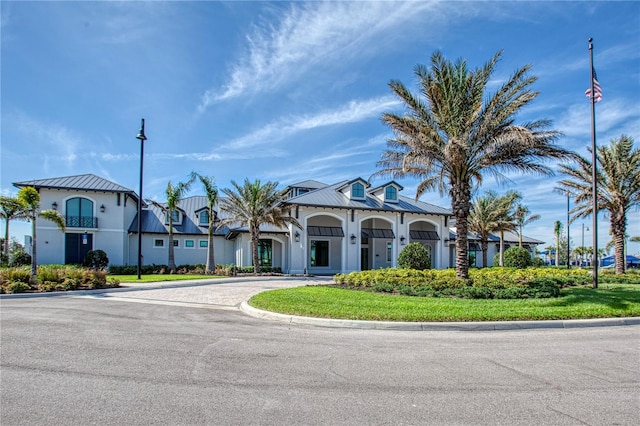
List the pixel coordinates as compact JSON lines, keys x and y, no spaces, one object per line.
{"x":517,"y":257}
{"x":17,"y":287}
{"x":20,"y":258}
{"x":96,"y":259}
{"x":414,"y":256}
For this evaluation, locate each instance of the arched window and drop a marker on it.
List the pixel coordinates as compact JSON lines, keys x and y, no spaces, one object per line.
{"x":79,"y":213}
{"x":204,"y":218}
{"x":357,"y":190}
{"x":391,"y":193}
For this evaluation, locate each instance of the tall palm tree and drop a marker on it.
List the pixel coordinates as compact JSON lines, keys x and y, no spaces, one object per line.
{"x":618,"y":181}
{"x":174,"y":194}
{"x":487,"y":215}
{"x":252,"y":205}
{"x":30,"y":199}
{"x":211,"y":191}
{"x":10,"y":209}
{"x":523,"y":217}
{"x":454,"y":132}
{"x":557,"y":230}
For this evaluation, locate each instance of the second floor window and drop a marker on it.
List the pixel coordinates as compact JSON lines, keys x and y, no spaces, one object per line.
{"x":357,"y":190}
{"x":204,"y":218}
{"x":390,"y":193}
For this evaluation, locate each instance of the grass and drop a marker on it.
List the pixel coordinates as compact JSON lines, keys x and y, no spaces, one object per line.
{"x":153,"y":278}
{"x":611,"y":300}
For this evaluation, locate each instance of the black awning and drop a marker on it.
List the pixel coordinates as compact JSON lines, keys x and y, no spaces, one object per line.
{"x":424,"y":235}
{"x":325,"y":231}
{"x":377,"y":233}
{"x":474,"y":247}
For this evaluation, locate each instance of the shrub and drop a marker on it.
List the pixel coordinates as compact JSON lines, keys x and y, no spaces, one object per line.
{"x":536,"y":262}
{"x":414,"y":256}
{"x":517,"y":257}
{"x":20,"y":258}
{"x":21,"y":273}
{"x":96,"y":259}
{"x":17,"y":287}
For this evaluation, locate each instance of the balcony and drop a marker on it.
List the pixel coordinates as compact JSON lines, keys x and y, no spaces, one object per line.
{"x":81,"y":222}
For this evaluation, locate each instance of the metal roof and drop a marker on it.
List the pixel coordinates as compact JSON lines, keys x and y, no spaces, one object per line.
{"x":88,"y":182}
{"x":308,"y":184}
{"x":509,"y":237}
{"x":331,"y":197}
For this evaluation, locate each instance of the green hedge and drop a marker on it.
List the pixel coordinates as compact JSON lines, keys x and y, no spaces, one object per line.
{"x":488,"y":283}
{"x":53,"y":278}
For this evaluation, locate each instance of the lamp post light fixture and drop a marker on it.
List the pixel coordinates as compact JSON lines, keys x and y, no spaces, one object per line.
{"x":353,"y":239}
{"x":402,"y":240}
{"x":54,"y":206}
{"x":297,"y":237}
{"x":141,"y":136}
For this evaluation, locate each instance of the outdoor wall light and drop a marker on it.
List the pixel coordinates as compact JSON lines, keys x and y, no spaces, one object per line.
{"x":54,"y":205}
{"x":353,"y":239}
{"x":402,"y":240}
{"x":102,"y":208}
{"x":297,"y":237}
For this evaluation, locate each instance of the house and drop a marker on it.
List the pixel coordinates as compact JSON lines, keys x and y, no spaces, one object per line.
{"x":346,"y":226}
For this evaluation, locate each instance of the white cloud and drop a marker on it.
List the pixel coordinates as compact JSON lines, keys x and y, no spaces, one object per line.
{"x":610,"y":115}
{"x":311,"y":34}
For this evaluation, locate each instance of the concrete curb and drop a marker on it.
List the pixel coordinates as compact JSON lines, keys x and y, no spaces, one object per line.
{"x":437,"y":326}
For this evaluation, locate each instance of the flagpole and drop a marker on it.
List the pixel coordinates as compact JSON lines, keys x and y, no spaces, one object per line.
{"x":594,"y":183}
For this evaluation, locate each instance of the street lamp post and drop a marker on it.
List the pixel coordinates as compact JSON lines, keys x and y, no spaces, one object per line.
{"x":141,"y":136}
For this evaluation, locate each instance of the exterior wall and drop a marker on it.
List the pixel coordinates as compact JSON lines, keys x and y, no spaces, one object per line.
{"x":110,"y":234}
{"x":223,"y":250}
{"x":279,"y":253}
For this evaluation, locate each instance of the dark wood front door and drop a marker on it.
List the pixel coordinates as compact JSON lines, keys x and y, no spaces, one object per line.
{"x":76,"y":247}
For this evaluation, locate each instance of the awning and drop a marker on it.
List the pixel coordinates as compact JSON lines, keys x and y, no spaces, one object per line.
{"x":424,"y":235}
{"x":474,"y":247}
{"x":325,"y":231}
{"x":377,"y":233}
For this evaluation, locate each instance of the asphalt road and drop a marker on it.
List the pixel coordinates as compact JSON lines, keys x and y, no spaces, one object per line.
{"x":87,"y":361}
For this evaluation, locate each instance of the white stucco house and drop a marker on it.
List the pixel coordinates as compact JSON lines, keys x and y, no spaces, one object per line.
{"x":346,"y":226}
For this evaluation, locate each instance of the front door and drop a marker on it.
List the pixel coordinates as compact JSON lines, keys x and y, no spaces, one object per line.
{"x":76,"y":247}
{"x":364,"y":258}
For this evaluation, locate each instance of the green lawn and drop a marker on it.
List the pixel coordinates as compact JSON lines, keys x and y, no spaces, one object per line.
{"x":153,"y":278}
{"x":611,"y":300}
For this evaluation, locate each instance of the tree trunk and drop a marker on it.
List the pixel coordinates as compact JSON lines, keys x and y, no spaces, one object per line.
{"x":211,"y":262}
{"x":6,"y":239}
{"x":485,"y":247}
{"x":557,"y":250}
{"x":617,"y":222}
{"x":461,"y":205}
{"x":501,"y":248}
{"x":255,"y":240}
{"x":172,"y":260}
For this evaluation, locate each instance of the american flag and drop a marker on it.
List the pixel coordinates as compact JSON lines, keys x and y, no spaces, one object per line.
{"x":597,"y":91}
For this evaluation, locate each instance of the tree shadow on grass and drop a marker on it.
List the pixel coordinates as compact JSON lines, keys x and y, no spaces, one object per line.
{"x":617,"y":298}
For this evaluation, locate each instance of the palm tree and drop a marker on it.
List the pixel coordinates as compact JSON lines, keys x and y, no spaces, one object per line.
{"x":506,"y":221}
{"x":30,"y":199}
{"x":523,"y":218}
{"x":487,"y":215}
{"x":618,"y":180}
{"x":10,"y":209}
{"x":557,"y":229}
{"x":211,"y":191}
{"x":455,"y":132}
{"x":254,"y":204}
{"x":174,"y":194}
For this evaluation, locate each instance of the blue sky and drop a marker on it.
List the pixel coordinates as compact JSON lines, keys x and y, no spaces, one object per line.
{"x":289,"y":91}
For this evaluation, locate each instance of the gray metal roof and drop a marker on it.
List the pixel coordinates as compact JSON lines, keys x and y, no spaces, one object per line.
{"x":88,"y":182}
{"x":509,"y":237}
{"x":308,"y":184}
{"x":331,"y":197}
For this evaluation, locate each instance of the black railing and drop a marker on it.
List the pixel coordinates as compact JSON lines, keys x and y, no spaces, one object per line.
{"x":82,"y":222}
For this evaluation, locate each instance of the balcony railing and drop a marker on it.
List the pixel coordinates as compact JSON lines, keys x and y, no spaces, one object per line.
{"x":82,"y":222}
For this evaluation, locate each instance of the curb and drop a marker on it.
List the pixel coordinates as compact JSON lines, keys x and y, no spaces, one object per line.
{"x":438,"y":326}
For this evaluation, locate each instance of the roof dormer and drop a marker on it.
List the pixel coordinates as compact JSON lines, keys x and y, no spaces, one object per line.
{"x":355,"y":189}
{"x":387,"y":193}
{"x":176,"y":217}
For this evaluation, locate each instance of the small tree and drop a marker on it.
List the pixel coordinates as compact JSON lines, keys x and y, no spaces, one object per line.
{"x":414,"y":256}
{"x":517,"y":257}
{"x":96,"y":259}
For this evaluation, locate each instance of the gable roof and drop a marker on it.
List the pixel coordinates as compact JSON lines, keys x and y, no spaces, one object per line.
{"x":330,"y":196}
{"x":88,"y":182}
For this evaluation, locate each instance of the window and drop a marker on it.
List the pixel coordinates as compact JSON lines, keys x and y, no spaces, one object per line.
{"x":158,"y":243}
{"x":389,"y":251}
{"x":204,"y":218}
{"x":320,"y":253}
{"x":264,"y":252}
{"x":79,"y":213}
{"x":357,"y":190}
{"x":176,"y":243}
{"x":189,"y":243}
{"x":204,"y":243}
{"x":391,"y":193}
